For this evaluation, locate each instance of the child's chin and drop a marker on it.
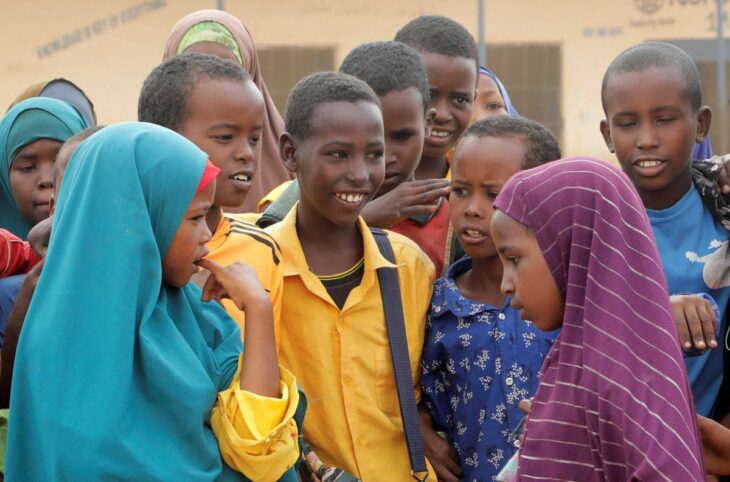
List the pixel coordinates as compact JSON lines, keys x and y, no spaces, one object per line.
{"x":430,"y":150}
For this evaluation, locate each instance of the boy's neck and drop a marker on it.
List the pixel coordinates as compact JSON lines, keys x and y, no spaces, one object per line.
{"x":431,"y":168}
{"x":670,"y":195}
{"x":328,"y":248}
{"x":483,"y":281}
{"x":213,"y":218}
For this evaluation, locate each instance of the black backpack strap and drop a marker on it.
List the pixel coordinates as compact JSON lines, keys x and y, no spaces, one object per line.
{"x":393,"y":308}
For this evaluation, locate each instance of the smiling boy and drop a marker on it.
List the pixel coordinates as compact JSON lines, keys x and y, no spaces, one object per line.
{"x":450,"y":54}
{"x":215,"y":104}
{"x":333,"y":326}
{"x":652,"y":98}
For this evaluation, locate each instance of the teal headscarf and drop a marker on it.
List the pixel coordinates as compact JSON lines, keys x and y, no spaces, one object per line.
{"x":29,"y":121}
{"x":116,"y":372}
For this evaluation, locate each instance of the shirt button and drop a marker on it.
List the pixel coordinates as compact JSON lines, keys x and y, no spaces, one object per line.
{"x":509,"y":381}
{"x":517,"y":443}
{"x":437,"y":309}
{"x":347,"y":380}
{"x":501,"y":316}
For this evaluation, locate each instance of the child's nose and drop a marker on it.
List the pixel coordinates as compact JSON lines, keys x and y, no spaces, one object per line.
{"x":507,"y":287}
{"x":358,"y":173}
{"x":473,"y":209}
{"x":390,"y":156}
{"x":245,"y":152}
{"x":45,"y":177}
{"x":443,"y":113}
{"x":647,"y":137}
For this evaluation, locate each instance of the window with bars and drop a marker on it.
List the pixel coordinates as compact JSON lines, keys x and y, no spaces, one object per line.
{"x":282,"y":67}
{"x":532,"y":74}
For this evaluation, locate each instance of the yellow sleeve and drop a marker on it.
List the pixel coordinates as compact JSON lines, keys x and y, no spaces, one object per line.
{"x":277,"y":293}
{"x":257,"y":436}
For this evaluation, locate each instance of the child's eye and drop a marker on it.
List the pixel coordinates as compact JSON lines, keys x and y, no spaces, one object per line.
{"x":625,"y":125}
{"x":460,"y":101}
{"x":495,"y":106}
{"x":223,"y":137}
{"x":402,"y":136}
{"x":513,"y":260}
{"x":458,"y":191}
{"x":492,"y":194}
{"x":254,"y":140}
{"x":665,"y":119}
{"x":198,"y":218}
{"x":377,"y":155}
{"x":25,"y":167}
{"x":338,"y":154}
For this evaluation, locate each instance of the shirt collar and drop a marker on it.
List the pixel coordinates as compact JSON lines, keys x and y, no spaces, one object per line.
{"x":447,"y":297}
{"x":294,"y":261}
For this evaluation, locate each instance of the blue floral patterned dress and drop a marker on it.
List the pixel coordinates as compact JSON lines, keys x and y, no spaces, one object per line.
{"x":478,"y":362}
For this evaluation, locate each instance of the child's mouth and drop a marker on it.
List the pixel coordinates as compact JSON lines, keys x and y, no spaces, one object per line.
{"x":649,"y":167}
{"x":439,"y":136}
{"x":241,"y":180}
{"x":472,"y":235}
{"x":350,"y":197}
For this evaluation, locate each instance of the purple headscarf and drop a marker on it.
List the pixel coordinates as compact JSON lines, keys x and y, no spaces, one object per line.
{"x":613,"y":403}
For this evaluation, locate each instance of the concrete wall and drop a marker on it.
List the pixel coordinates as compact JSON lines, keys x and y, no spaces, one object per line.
{"x":108,"y":47}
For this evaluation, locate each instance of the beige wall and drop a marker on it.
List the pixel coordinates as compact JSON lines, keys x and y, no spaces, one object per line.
{"x":120,"y":41}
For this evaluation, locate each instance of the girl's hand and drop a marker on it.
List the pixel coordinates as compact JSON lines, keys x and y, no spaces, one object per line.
{"x":442,"y":456}
{"x":408,"y":199}
{"x":716,"y":446}
{"x":237,"y":281}
{"x":696,"y":323}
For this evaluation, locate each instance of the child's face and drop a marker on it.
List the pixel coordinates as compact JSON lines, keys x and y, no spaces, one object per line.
{"x":453,"y":83}
{"x":226,"y":120}
{"x":59,"y":168}
{"x":188,"y":245}
{"x":526,"y":277}
{"x":479,"y":169}
{"x":340,"y":164}
{"x":489,"y":102}
{"x":31,"y":178}
{"x":651,"y":126}
{"x":405,"y":129}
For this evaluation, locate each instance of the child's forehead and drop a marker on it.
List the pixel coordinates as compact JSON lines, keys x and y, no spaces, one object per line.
{"x":222,"y":98}
{"x":506,"y":149}
{"x":409,"y":98}
{"x":665,"y":84}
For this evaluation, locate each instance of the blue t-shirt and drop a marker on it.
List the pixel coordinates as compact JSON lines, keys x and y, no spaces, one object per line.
{"x":693,"y":250}
{"x":478,"y":362}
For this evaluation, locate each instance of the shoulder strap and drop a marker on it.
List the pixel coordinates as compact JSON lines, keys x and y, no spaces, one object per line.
{"x":393,"y":308}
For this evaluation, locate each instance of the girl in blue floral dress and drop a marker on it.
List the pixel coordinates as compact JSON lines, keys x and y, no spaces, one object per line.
{"x":480,"y":359}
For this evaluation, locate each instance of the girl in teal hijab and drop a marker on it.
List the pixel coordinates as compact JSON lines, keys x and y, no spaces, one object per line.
{"x":122,"y":372}
{"x":24,"y":193}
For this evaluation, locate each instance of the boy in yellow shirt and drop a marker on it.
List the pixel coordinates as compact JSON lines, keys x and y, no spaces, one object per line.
{"x":216,"y":105}
{"x":334,"y":336}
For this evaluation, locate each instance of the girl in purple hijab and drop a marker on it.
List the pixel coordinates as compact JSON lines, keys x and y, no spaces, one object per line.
{"x":614,"y":402}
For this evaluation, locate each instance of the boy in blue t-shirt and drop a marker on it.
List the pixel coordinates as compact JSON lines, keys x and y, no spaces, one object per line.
{"x":652,"y":99}
{"x":480,"y":359}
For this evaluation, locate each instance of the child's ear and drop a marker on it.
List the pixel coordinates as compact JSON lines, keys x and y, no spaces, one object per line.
{"x":606,"y":132}
{"x":430,"y":116}
{"x":704,"y":120}
{"x":288,"y":151}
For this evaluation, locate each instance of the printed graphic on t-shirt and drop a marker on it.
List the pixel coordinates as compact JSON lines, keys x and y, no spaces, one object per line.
{"x":716,"y":272}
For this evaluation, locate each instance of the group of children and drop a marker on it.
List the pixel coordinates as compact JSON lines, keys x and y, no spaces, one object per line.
{"x":160,"y":248}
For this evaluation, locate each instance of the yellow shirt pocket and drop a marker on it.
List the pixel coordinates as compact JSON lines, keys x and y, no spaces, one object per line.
{"x":385,"y":389}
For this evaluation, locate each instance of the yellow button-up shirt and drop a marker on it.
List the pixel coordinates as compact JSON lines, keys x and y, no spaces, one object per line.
{"x":238,"y":240}
{"x":341,"y":358}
